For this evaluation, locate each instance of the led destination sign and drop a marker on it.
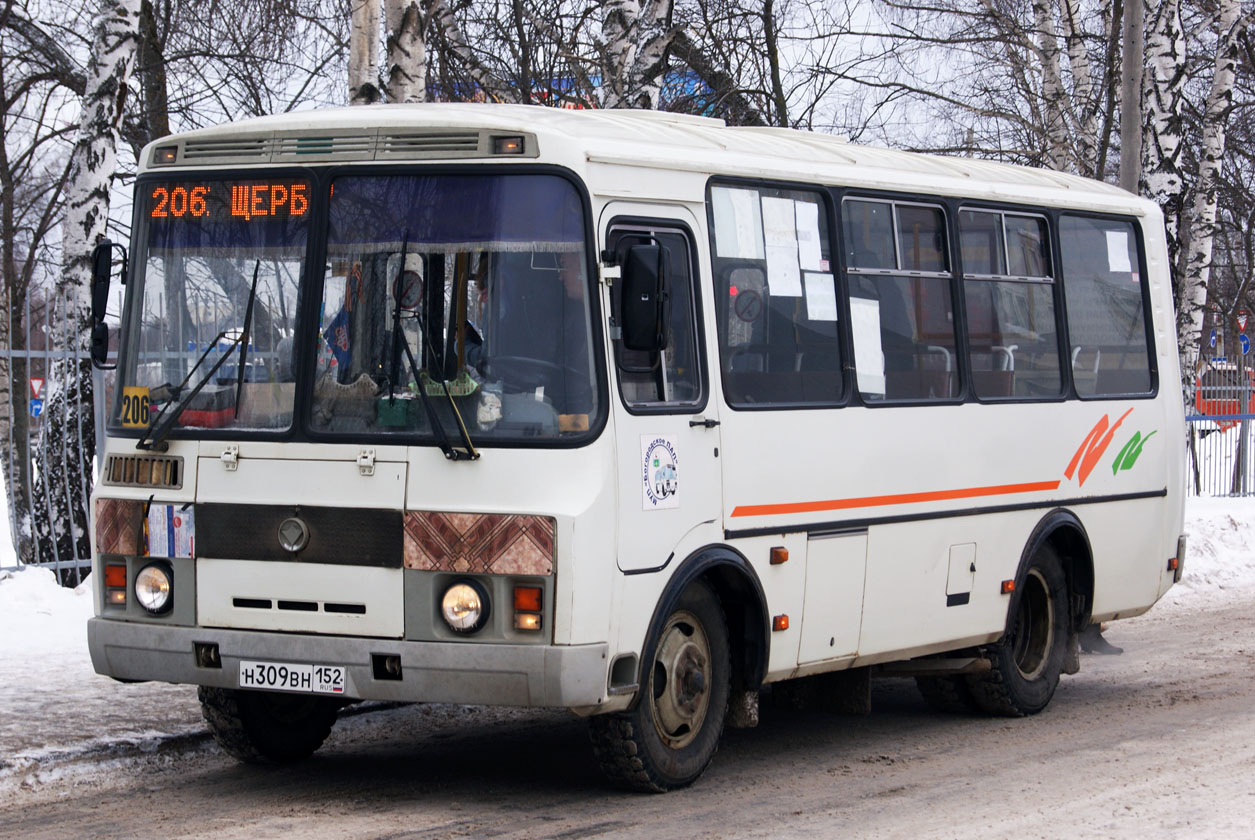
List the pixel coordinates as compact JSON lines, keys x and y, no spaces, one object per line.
{"x":223,"y":199}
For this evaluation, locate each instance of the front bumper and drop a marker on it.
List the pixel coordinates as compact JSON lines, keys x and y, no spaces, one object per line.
{"x":435,"y":672}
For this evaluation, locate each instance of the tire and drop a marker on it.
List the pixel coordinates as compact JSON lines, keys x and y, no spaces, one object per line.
{"x":949,"y":694}
{"x":1027,"y":661}
{"x":263,"y":727}
{"x":669,"y":738}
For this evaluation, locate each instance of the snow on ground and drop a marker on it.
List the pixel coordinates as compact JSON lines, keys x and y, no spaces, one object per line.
{"x":55,"y":710}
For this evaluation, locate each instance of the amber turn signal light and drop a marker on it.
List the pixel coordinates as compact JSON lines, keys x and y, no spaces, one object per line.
{"x":528,"y":598}
{"x":779,"y":555}
{"x":780,"y":622}
{"x":1172,"y":564}
{"x":1008,"y":586}
{"x":507,"y":145}
{"x":115,"y":575}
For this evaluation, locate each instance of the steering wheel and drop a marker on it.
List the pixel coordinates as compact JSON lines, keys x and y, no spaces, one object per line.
{"x":525,"y":373}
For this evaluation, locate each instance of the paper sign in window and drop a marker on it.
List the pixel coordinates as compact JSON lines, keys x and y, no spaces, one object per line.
{"x":810,"y":256}
{"x":738,"y":225}
{"x":1118,"y":252}
{"x":784,"y":278}
{"x":869,"y":357}
{"x":821,"y":297}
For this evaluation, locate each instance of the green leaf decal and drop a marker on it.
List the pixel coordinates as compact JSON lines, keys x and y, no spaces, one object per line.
{"x":1129,"y":454}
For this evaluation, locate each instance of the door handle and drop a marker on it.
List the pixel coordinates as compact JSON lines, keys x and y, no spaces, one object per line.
{"x":709,"y":424}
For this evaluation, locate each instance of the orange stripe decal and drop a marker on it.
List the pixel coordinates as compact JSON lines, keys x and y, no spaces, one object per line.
{"x":894,"y":499}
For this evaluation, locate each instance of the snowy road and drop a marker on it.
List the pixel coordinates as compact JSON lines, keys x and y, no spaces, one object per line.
{"x":1158,"y":742}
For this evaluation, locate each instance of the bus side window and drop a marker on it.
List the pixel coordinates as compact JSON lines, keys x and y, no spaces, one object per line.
{"x":1105,"y":297}
{"x":901,"y":304}
{"x":775,"y":296}
{"x":1013,"y":338}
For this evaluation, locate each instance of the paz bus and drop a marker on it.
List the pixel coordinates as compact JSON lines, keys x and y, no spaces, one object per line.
{"x":627,"y":413}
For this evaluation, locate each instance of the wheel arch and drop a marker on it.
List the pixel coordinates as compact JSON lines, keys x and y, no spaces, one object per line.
{"x":740,"y":593}
{"x":1061,"y":530}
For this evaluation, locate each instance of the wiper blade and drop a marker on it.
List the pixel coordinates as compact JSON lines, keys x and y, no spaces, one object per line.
{"x":158,"y":429}
{"x":469,"y":452}
{"x":244,"y":339}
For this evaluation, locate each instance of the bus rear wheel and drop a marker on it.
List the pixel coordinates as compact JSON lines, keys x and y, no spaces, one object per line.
{"x":671,"y":735}
{"x":1027,"y":661}
{"x":265,"y":727}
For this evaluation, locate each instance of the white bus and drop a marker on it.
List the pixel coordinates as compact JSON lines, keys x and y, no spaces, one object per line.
{"x":627,"y":413}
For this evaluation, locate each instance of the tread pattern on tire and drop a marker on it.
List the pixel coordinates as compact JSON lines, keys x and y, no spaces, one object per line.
{"x":227,"y":722}
{"x":616,"y":750}
{"x":989,"y":690}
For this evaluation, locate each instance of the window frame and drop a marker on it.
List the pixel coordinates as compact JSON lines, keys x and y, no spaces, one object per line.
{"x":1052,"y":254}
{"x":949,"y":216}
{"x":835,"y":262}
{"x":649,"y":224}
{"x":1148,"y":322}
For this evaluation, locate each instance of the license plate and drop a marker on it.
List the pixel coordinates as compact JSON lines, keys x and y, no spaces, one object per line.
{"x":284,"y":676}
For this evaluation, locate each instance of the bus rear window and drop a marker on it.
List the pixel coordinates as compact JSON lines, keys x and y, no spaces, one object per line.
{"x":1105,"y":295}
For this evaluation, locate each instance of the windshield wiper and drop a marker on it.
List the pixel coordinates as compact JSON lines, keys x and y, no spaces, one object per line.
{"x":159,"y":429}
{"x":155,"y":432}
{"x":244,"y":339}
{"x":468,"y":453}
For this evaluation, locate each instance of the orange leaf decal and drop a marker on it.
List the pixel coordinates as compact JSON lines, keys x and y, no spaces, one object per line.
{"x":1092,"y":448}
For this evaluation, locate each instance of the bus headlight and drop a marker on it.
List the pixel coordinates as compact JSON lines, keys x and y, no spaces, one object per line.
{"x":465,"y":606}
{"x":154,"y":587}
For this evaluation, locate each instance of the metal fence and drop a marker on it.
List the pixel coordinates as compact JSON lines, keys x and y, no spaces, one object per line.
{"x":27,"y":360}
{"x":1219,"y":424}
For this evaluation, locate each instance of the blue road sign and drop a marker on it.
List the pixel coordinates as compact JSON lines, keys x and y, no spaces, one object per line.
{"x":1213,"y":338}
{"x":1246,"y":344}
{"x":37,"y":408}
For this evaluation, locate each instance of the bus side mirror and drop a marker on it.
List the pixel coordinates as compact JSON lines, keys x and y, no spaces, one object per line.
{"x":102,"y":272}
{"x":646,"y":298}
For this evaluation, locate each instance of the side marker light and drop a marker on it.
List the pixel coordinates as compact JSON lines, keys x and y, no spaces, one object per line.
{"x":1008,"y":586}
{"x":779,"y":554}
{"x":1172,"y":564}
{"x":780,"y":622}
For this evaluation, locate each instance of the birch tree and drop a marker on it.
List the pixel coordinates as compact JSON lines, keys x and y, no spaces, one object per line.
{"x":364,"y":53}
{"x":406,"y":50}
{"x":67,"y":442}
{"x":635,"y":36}
{"x":1163,"y":134}
{"x":36,"y":74}
{"x":1231,"y":27}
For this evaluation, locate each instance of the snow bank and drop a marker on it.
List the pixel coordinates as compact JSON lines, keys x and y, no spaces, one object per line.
{"x":1220,"y":555}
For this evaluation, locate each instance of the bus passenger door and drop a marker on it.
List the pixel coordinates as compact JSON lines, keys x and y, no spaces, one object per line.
{"x":666,"y":425}
{"x":833,"y":610}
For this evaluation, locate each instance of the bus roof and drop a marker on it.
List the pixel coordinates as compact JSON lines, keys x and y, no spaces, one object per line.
{"x":617,"y":138}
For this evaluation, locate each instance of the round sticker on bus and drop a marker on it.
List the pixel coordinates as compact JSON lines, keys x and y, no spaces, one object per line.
{"x":660,"y":473}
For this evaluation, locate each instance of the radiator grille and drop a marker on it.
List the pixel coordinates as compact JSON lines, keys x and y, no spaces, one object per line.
{"x":165,"y":471}
{"x":344,"y":536}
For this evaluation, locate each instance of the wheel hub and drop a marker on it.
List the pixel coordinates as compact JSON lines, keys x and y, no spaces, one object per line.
{"x":681,"y":680}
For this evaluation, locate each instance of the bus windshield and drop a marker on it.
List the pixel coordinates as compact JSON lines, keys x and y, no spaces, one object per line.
{"x":209,"y":246}
{"x":455,"y":292}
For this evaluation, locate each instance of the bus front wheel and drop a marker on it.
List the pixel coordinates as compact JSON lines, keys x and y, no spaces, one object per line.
{"x":1027,"y":661}
{"x":671,"y":735}
{"x":263,"y":727}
